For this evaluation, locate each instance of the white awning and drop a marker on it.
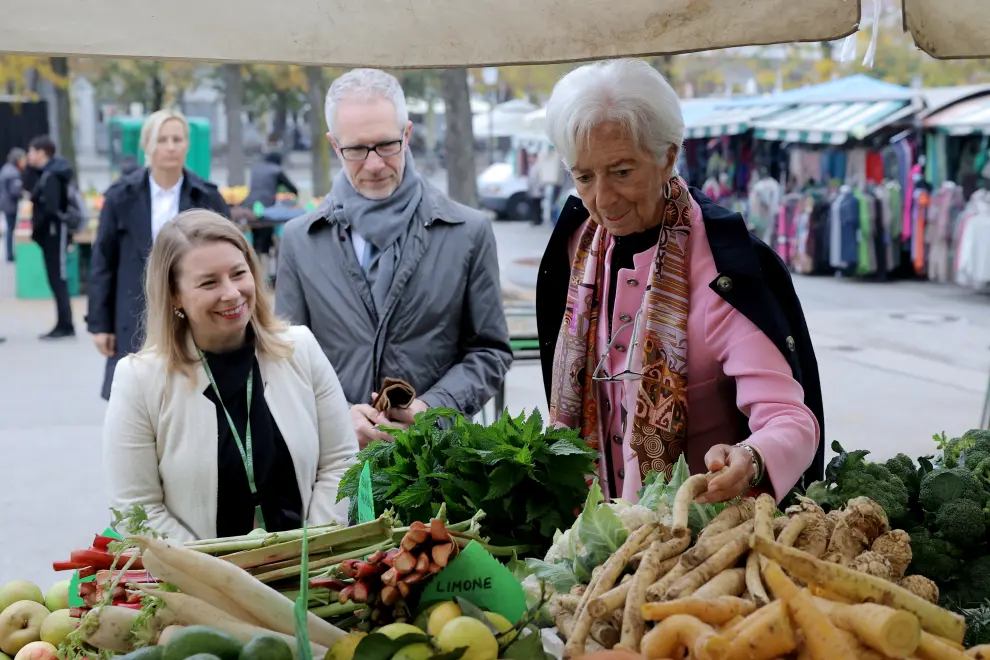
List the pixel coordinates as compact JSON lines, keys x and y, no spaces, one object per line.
{"x":726,"y":121}
{"x":965,"y":118}
{"x":412,"y":33}
{"x":830,"y":123}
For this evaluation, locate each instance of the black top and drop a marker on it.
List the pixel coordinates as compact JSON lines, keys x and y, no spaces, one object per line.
{"x":274,"y":472}
{"x":625,"y":248}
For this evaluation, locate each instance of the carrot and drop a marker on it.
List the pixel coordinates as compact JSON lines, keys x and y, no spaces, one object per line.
{"x":893,"y":633}
{"x":606,"y":579}
{"x":765,"y":634}
{"x":820,"y":635}
{"x":711,"y":544}
{"x":729,"y":518}
{"x":932,"y":647}
{"x":725,"y":558}
{"x":730,"y":582}
{"x":272,"y":609}
{"x":109,"y":628}
{"x":679,"y":632}
{"x":861,"y":587}
{"x":689,"y":490}
{"x":762,"y":526}
{"x":195,"y":587}
{"x":633,"y":625}
{"x":714,"y":612}
{"x":195,"y":612}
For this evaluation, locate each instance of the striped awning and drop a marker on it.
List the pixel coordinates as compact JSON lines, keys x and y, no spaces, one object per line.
{"x":830,"y":123}
{"x":966,"y":118}
{"x":726,"y":121}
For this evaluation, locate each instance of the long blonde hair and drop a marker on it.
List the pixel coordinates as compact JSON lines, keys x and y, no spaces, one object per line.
{"x":166,"y":332}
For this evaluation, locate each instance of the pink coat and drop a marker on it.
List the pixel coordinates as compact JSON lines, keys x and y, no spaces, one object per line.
{"x":732,"y":366}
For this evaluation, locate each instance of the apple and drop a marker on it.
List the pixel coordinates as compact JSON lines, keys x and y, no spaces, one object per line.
{"x":57,"y":597}
{"x":20,"y":624}
{"x":37,"y":651}
{"x":57,"y":626}
{"x":18,"y":590}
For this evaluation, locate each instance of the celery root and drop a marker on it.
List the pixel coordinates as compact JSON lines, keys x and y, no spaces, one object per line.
{"x":862,"y":588}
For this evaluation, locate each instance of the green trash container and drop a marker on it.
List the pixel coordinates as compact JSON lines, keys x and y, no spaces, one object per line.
{"x":125,"y":140}
{"x":29,"y":268}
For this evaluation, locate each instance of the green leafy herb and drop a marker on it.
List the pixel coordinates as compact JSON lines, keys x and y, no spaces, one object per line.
{"x":526,"y":647}
{"x":558,"y":576}
{"x":529,"y":480}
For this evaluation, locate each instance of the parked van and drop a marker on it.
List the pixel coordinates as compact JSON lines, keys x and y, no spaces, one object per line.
{"x":504,"y":187}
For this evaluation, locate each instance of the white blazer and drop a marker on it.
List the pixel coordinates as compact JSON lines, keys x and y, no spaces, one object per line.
{"x":160,"y":437}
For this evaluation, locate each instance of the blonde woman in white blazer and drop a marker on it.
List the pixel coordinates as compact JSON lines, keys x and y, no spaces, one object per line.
{"x":227,"y":419}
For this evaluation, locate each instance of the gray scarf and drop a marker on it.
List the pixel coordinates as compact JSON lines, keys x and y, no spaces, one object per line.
{"x":383,"y":223}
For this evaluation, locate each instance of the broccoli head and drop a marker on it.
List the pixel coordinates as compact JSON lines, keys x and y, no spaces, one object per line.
{"x":973,"y":457}
{"x":980,"y":439}
{"x":973,"y":584}
{"x":903,"y":467}
{"x":961,"y":522}
{"x":945,"y":485}
{"x":932,"y":557}
{"x":875,"y":481}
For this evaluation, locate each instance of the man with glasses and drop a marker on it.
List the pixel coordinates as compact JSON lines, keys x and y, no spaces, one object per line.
{"x":395,"y":279}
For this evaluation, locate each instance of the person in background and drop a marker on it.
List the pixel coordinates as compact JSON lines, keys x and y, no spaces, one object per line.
{"x":135,"y":208}
{"x":50,"y":199}
{"x":666,"y":329}
{"x":267,"y":176}
{"x":128,"y":164}
{"x":11,"y":187}
{"x":395,"y":279}
{"x":250,"y":424}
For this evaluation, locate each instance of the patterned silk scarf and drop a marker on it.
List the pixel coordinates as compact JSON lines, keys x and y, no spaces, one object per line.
{"x":659,"y":426}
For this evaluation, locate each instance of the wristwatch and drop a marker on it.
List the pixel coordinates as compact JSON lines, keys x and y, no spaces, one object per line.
{"x":759,"y":466}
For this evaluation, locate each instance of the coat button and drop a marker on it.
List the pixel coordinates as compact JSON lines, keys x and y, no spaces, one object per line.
{"x":620,"y":348}
{"x":790,"y":343}
{"x":622,"y":474}
{"x":632,"y":282}
{"x":608,"y":405}
{"x":625,"y":318}
{"x":724,"y":283}
{"x":617,"y":439}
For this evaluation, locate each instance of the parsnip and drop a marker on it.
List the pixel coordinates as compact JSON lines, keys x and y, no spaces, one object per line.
{"x":762,"y":526}
{"x":730,"y":582}
{"x":715,"y":612}
{"x":861,"y":587}
{"x":765,"y":634}
{"x":649,"y":571}
{"x":729,"y":518}
{"x":725,"y":558}
{"x":689,"y":490}
{"x":891,"y":632}
{"x":680,"y":632}
{"x":711,"y":544}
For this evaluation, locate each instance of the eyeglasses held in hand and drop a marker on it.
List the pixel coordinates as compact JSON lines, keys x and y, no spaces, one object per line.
{"x":383,"y":149}
{"x":601,"y":375}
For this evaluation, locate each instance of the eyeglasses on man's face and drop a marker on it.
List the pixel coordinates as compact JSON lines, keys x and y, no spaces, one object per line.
{"x":383,"y":149}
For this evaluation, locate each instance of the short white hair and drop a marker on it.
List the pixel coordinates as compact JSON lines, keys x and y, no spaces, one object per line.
{"x":627,"y":91}
{"x":365,"y":85}
{"x":153,"y":125}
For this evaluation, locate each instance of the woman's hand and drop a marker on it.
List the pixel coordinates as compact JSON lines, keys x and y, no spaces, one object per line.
{"x":735,"y":467}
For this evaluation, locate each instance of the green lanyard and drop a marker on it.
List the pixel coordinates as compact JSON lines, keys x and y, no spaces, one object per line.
{"x":246,"y":449}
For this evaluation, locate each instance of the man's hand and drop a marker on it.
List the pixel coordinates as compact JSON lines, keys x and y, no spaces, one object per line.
{"x":105,"y":343}
{"x":735,"y":479}
{"x":365,"y":419}
{"x":405,"y":416}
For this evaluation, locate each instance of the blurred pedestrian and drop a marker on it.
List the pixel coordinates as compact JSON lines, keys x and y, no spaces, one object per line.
{"x":135,"y":208}
{"x":11,"y":188}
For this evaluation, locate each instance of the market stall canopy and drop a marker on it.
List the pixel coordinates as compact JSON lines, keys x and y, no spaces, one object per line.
{"x":949,"y":29}
{"x":412,"y":33}
{"x":831,"y":123}
{"x":726,"y":121}
{"x":964,"y":118}
{"x":858,"y":87}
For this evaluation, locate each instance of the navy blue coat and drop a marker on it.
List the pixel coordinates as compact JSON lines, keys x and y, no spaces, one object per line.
{"x":120,"y":252}
{"x":762,"y":290}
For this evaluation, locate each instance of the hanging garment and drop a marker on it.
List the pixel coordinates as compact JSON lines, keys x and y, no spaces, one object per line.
{"x":921,"y":202}
{"x":885,"y":218}
{"x":865,"y":257}
{"x":855,"y":174}
{"x":974,"y":245}
{"x":943,"y":215}
{"x":803,"y":256}
{"x":874,"y":167}
{"x":764,"y":202}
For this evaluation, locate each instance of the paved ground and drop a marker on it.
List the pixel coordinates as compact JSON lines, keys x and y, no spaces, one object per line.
{"x":899,"y":362}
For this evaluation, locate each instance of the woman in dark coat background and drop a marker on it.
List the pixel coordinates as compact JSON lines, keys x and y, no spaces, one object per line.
{"x":135,"y":208}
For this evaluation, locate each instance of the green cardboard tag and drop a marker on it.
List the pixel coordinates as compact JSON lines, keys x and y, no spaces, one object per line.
{"x":366,"y":501}
{"x":112,"y":533}
{"x":476,"y":576}
{"x":75,"y":600}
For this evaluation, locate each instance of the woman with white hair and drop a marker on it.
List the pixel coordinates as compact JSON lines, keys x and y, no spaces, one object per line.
{"x":666,"y":329}
{"x":135,"y":208}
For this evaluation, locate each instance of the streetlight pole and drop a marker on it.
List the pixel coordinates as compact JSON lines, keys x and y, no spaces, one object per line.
{"x":489,"y":75}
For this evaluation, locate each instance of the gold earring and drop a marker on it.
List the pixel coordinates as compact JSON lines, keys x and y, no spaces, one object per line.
{"x":179,"y":313}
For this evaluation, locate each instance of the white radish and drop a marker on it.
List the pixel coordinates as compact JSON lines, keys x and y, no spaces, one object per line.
{"x":271,"y":609}
{"x":193,"y":586}
{"x":167,"y":634}
{"x":195,"y":612}
{"x":109,"y":628}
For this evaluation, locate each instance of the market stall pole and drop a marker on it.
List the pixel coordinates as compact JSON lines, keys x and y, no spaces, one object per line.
{"x":985,"y":418}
